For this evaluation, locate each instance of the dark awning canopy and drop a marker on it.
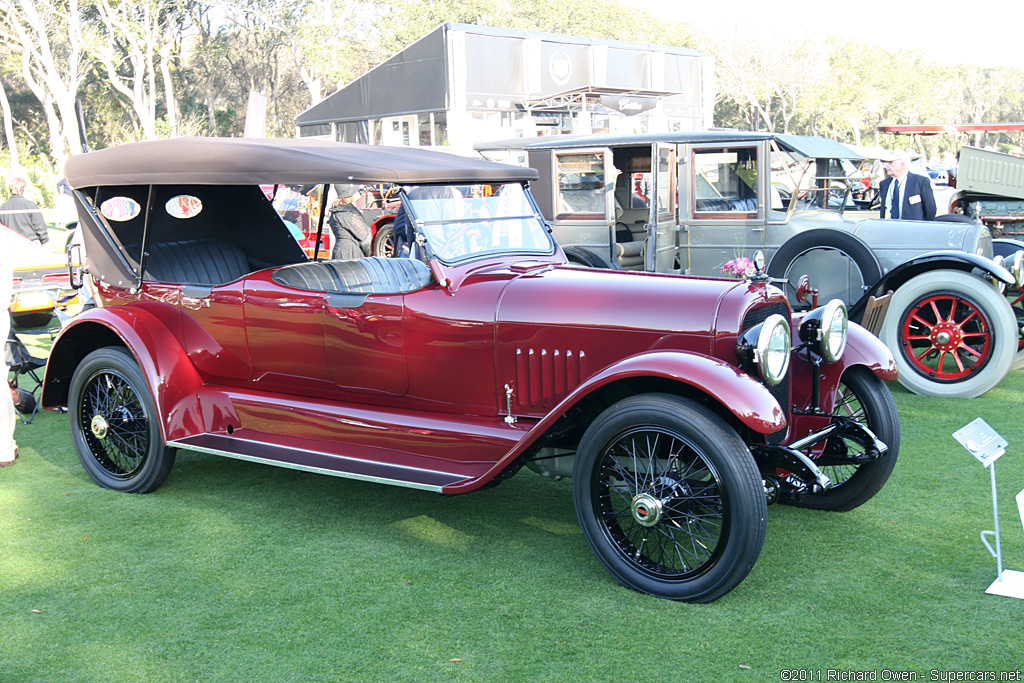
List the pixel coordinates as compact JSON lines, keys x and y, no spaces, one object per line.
{"x":245,"y":161}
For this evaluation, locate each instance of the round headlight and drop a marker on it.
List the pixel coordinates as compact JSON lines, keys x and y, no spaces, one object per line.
{"x":825,"y":329}
{"x":771,"y":351}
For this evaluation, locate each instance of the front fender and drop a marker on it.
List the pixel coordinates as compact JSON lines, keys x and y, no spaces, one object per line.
{"x":170,"y":375}
{"x":935,"y":260}
{"x":864,"y":348}
{"x":746,"y":398}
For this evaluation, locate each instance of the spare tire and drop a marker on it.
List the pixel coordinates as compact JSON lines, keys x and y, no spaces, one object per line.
{"x":839,"y":264}
{"x":954,"y":218}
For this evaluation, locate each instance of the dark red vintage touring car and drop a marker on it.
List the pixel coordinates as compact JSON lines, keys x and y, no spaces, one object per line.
{"x":679,"y":406}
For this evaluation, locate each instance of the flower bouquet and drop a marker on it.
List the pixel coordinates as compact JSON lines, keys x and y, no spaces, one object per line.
{"x":740,"y":268}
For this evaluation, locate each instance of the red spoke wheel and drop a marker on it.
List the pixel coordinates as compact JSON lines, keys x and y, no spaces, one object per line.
{"x":946,"y":336}
{"x":952,"y":334}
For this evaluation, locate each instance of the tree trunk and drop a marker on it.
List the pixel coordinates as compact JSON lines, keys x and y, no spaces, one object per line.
{"x":12,"y":145}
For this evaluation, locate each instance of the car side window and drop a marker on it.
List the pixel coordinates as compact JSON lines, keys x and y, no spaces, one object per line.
{"x":725,"y":183}
{"x":183,"y":206}
{"x":581,"y":186}
{"x":120,"y":209}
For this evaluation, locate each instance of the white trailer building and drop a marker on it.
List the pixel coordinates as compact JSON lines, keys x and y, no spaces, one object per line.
{"x":463,"y":84}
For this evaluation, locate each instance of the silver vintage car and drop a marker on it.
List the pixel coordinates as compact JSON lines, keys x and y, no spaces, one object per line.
{"x":698,"y":203}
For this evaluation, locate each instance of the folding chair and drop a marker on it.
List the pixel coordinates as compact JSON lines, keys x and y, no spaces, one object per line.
{"x":25,"y":367}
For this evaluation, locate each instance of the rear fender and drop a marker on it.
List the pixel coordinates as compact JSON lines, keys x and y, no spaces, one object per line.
{"x":936,"y":260}
{"x":170,"y":375}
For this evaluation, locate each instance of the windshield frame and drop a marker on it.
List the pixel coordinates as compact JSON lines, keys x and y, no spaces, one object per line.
{"x":434,"y":243}
{"x":808,"y":185}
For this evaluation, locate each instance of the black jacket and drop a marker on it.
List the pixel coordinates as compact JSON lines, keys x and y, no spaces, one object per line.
{"x":918,"y":200}
{"x":30,"y":225}
{"x":351,"y":233}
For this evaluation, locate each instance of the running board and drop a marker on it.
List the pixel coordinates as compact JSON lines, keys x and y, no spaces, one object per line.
{"x":318,"y":462}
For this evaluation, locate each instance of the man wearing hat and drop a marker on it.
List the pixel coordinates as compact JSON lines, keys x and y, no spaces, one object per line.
{"x":905,"y":195}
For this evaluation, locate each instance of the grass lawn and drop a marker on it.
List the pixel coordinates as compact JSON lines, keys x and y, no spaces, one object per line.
{"x":234,"y":571}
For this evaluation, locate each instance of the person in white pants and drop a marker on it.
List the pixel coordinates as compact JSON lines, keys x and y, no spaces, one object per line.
{"x":8,"y":448}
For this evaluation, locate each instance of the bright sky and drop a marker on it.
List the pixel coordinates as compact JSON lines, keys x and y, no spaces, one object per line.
{"x":983,"y":32}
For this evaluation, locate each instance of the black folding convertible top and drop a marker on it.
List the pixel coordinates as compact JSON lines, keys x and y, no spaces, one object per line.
{"x":245,"y":161}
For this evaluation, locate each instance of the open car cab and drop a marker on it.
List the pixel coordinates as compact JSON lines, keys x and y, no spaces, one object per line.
{"x":680,"y":407}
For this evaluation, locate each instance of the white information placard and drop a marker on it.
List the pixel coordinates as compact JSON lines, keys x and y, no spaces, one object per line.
{"x":1011,"y":583}
{"x":981,"y":441}
{"x":985,"y":444}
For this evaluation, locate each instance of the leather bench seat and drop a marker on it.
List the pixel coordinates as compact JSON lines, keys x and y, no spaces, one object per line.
{"x":372,"y":275}
{"x":196,"y":262}
{"x":726,"y":204}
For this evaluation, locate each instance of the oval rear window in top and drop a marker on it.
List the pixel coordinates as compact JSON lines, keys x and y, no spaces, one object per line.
{"x":120,"y":209}
{"x":183,"y":206}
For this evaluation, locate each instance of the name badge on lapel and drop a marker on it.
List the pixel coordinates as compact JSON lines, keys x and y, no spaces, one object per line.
{"x":916,"y":199}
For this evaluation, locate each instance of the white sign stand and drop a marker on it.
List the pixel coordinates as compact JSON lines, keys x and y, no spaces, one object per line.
{"x":985,"y":444}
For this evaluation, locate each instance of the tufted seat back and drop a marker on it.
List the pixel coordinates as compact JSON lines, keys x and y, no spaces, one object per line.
{"x":198,"y":262}
{"x":373,"y":275}
{"x":725,"y":204}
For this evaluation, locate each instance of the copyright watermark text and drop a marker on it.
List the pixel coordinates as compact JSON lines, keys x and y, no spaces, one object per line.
{"x":814,"y":675}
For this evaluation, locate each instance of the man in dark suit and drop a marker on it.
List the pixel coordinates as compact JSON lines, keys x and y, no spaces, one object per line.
{"x":905,"y":195}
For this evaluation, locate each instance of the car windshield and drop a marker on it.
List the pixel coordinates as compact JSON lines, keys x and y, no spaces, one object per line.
{"x":798,"y":184}
{"x":464,"y":221}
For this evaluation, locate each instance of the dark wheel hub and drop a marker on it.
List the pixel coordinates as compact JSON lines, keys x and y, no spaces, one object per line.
{"x":662,"y":503}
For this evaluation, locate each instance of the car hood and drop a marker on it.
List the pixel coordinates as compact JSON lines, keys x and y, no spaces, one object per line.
{"x":699,"y":309}
{"x":894,"y":241}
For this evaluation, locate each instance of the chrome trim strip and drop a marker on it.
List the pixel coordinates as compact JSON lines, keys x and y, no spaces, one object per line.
{"x":306,"y":468}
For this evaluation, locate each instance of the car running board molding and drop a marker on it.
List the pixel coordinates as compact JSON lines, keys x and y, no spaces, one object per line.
{"x":317,"y":462}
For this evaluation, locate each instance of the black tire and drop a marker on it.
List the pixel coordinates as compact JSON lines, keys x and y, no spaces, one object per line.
{"x":822,"y":254}
{"x":114,"y":423}
{"x":676,"y":465}
{"x":582,"y":257}
{"x":954,"y":218}
{"x":384,"y":241}
{"x":982,"y":328}
{"x":862,"y":397}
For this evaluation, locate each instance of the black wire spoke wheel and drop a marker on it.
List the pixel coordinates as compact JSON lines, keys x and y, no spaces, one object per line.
{"x":115,"y":425}
{"x":862,"y":397}
{"x":849,"y":405}
{"x":669,"y":498}
{"x":661,"y":502}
